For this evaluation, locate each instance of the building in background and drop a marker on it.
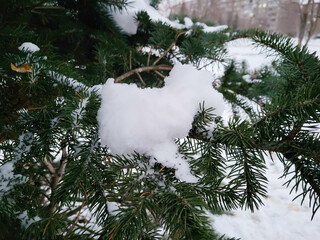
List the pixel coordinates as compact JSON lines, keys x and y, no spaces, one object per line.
{"x":275,"y":15}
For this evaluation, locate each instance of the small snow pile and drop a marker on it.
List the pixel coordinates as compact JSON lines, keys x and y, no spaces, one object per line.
{"x":29,"y":47}
{"x":209,"y":29}
{"x":148,"y":120}
{"x":189,"y":23}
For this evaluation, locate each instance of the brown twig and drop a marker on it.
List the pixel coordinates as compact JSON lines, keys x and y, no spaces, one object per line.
{"x":142,"y":69}
{"x":130,"y":60}
{"x":49,"y":166}
{"x":176,"y":235}
{"x":170,"y":47}
{"x":160,"y":74}
{"x":143,"y":83}
{"x":45,"y":229}
{"x":82,"y":205}
{"x":144,"y":194}
{"x":63,"y":164}
{"x":149,"y":55}
{"x":163,"y":167}
{"x":35,"y":108}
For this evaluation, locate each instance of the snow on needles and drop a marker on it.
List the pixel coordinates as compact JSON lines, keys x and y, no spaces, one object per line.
{"x":29,"y":47}
{"x":126,"y":19}
{"x":148,"y":120}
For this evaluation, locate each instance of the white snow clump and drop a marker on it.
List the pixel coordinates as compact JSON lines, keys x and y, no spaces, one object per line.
{"x":29,"y":47}
{"x":148,"y":120}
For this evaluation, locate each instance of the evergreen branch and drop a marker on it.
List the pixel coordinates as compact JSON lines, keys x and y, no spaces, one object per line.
{"x":307,"y":176}
{"x":285,"y":108}
{"x":142,"y":69}
{"x":296,"y":55}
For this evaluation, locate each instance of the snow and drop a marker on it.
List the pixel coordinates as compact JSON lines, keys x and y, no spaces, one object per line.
{"x":244,"y":50}
{"x":8,"y":179}
{"x":188,"y":23}
{"x":26,"y":221}
{"x":80,"y":111}
{"x":157,"y":116}
{"x":209,"y":29}
{"x":113,"y":208}
{"x":126,"y":19}
{"x":29,"y":47}
{"x":6,"y":175}
{"x":148,"y":120}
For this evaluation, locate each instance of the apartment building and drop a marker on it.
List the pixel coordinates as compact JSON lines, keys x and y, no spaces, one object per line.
{"x":275,"y":15}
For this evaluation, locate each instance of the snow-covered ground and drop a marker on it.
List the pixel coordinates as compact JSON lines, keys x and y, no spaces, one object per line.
{"x":244,"y":50}
{"x":280,"y":218}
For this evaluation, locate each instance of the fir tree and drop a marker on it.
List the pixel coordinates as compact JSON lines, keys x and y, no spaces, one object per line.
{"x":54,"y":168}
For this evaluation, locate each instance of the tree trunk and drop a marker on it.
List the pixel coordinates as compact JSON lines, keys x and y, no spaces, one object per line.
{"x":303,"y":21}
{"x":314,"y":22}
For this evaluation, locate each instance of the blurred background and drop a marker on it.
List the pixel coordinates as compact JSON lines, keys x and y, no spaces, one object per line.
{"x":296,"y":18}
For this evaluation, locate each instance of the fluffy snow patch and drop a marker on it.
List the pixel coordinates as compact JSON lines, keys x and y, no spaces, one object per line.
{"x":148,"y":120}
{"x":29,"y":47}
{"x":209,"y":29}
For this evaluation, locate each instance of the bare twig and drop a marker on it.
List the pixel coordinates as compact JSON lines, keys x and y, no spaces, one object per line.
{"x":160,"y":74}
{"x":35,"y":108}
{"x":130,"y":60}
{"x":49,"y":166}
{"x":149,"y":55}
{"x":62,"y":168}
{"x":143,"y":83}
{"x":170,"y":47}
{"x":142,"y":69}
{"x":45,"y":229}
{"x":163,"y":167}
{"x":77,"y":217}
{"x":82,"y":205}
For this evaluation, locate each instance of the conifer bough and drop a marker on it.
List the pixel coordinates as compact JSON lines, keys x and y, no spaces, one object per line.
{"x":59,"y":182}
